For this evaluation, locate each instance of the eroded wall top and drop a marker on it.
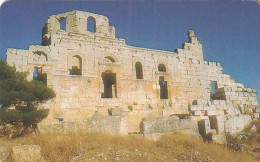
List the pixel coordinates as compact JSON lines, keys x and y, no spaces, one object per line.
{"x":77,"y":22}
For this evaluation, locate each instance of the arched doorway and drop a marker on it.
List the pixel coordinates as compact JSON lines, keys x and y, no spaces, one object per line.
{"x":109,"y":81}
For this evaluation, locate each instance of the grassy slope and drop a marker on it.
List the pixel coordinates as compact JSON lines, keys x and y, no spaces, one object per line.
{"x":103,"y":147}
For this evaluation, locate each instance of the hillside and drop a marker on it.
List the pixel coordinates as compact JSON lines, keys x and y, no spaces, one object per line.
{"x":80,"y":146}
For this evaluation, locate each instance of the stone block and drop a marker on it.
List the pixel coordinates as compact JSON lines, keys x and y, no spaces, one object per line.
{"x":167,"y":125}
{"x":212,"y":107}
{"x":232,"y":110}
{"x":222,"y":102}
{"x":202,"y":101}
{"x":194,"y":107}
{"x":197,"y":113}
{"x":211,"y":112}
{"x":109,"y":124}
{"x":204,"y":127}
{"x":206,"y":108}
{"x":218,"y":123}
{"x":220,"y":112}
{"x":236,"y":124}
{"x":216,"y":102}
{"x":160,"y":125}
{"x":115,"y":111}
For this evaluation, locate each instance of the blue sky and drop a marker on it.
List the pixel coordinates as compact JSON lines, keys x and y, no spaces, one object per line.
{"x":229,"y":31}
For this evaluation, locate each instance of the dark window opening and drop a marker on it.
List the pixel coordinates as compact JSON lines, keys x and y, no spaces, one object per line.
{"x":213,"y":123}
{"x":139,"y":70}
{"x":39,"y":75}
{"x":91,"y":25}
{"x":163,"y":88}
{"x":76,"y":66}
{"x":190,"y":60}
{"x":213,"y":86}
{"x":35,"y":73}
{"x":110,"y":89}
{"x":63,"y":24}
{"x":161,"y":67}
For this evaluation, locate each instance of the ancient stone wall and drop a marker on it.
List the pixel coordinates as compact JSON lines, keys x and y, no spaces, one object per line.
{"x":93,"y":71}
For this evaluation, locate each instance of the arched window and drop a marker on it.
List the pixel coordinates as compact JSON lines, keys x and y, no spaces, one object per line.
{"x":161,"y":67}
{"x":91,"y":24}
{"x":63,"y":24}
{"x":76,"y":65}
{"x":139,"y":70}
{"x":109,"y":59}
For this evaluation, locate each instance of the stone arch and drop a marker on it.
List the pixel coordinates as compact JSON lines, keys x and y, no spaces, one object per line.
{"x":41,"y":53}
{"x":75,"y":65}
{"x":161,"y":67}
{"x":110,"y":58}
{"x":91,"y":24}
{"x":139,"y":70}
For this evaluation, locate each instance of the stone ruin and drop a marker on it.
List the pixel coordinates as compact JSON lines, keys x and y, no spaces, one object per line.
{"x":110,"y":86}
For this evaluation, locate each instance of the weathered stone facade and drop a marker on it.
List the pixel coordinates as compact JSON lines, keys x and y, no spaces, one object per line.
{"x":94,"y":72}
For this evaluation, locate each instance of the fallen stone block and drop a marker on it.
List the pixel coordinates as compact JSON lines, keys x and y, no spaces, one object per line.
{"x":167,"y":125}
{"x":109,"y":124}
{"x":160,"y":125}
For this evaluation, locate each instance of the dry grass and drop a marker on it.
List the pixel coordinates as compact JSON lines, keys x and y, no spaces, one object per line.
{"x":248,"y":140}
{"x":60,"y":146}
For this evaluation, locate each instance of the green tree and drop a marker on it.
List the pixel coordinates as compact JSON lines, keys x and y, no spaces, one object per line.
{"x":16,"y":91}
